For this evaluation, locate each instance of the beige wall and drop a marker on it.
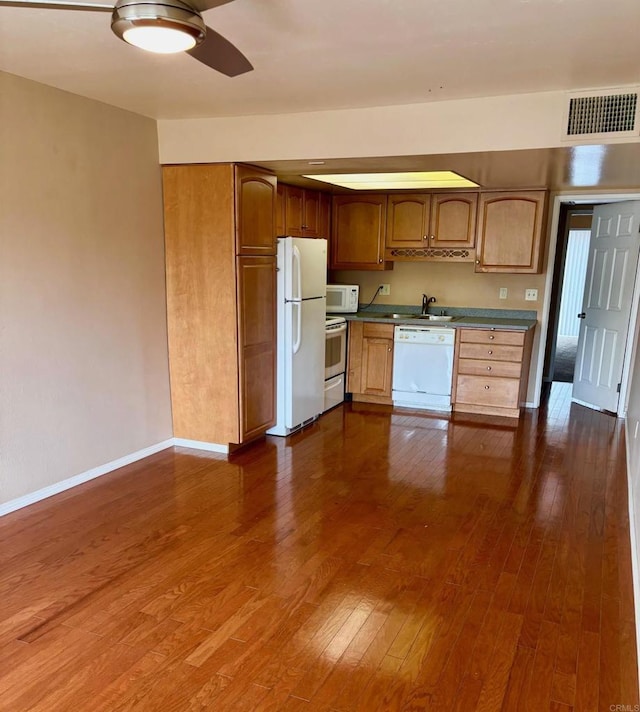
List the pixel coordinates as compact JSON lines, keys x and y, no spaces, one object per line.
{"x":484,"y":124}
{"x":452,"y":284}
{"x":83,"y":356}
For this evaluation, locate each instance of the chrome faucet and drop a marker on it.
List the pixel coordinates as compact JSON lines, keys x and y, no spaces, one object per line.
{"x":426,"y":301}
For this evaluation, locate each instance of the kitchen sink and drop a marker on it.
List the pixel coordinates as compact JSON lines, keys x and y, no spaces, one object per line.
{"x":435,"y":317}
{"x":399,"y":315}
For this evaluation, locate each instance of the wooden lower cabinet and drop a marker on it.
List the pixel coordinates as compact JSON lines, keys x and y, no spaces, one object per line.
{"x":257,"y":343}
{"x":491,"y":369}
{"x":370,"y":366}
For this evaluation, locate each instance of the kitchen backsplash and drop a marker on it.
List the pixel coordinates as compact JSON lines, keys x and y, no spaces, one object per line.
{"x":455,"y":285}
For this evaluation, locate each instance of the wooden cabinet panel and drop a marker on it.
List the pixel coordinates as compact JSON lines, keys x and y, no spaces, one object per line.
{"x":510,"y":230}
{"x":311,"y":214}
{"x":453,"y":220}
{"x":491,"y":369}
{"x":377,"y":366}
{"x":220,"y":308}
{"x":491,"y":352}
{"x":280,"y":211}
{"x":492,"y":336}
{"x":488,"y":391}
{"x":476,"y":367}
{"x":255,"y":211}
{"x":302,"y":212}
{"x":431,"y":227}
{"x":257,"y":343}
{"x":293,"y":214}
{"x":370,"y":366}
{"x":358,"y":228}
{"x":408,"y":220}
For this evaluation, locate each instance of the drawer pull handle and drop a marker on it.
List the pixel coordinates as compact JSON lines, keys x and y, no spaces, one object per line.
{"x":492,"y":336}
{"x":486,"y":388}
{"x":489,"y":352}
{"x":488,"y":368}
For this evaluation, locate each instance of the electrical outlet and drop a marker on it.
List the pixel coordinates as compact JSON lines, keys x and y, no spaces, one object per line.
{"x":531,"y":295}
{"x":503,"y":292}
{"x":385,"y":290}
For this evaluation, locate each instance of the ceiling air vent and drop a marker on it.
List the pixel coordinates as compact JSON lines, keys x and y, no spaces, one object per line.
{"x":613,"y":113}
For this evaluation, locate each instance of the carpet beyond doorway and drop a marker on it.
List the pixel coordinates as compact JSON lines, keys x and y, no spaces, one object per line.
{"x":565,"y":359}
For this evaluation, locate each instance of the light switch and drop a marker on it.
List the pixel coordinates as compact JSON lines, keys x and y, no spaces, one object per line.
{"x":531,"y":295}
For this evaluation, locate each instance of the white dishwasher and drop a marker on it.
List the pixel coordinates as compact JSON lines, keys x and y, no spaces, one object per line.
{"x":423,"y":367}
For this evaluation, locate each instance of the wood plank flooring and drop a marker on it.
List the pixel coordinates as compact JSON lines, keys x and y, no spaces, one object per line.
{"x":375,"y":561}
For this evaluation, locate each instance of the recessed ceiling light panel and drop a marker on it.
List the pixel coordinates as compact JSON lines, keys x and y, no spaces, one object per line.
{"x":389,"y":181}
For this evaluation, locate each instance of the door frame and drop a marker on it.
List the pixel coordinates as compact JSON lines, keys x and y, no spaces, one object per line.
{"x":545,"y":318}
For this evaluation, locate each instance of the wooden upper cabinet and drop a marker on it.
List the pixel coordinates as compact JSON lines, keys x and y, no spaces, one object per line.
{"x":453,"y":220}
{"x":510,"y":230}
{"x":408,"y":220}
{"x":301,"y":212}
{"x":437,"y":220}
{"x":280,"y":210}
{"x":255,"y":211}
{"x":358,"y":230}
{"x":311,"y":214}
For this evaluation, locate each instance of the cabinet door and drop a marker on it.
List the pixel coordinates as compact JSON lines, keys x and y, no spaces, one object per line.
{"x":324,"y":229}
{"x":408,"y":220}
{"x":256,"y":344}
{"x":453,"y":220}
{"x":311,"y":214}
{"x":358,"y":227}
{"x":510,"y":229}
{"x":280,"y":211}
{"x":293,"y":211}
{"x":255,"y":211}
{"x":377,"y":366}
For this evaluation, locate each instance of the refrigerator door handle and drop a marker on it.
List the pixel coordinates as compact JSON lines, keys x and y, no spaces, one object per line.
{"x":297,"y":273}
{"x":297,"y":321}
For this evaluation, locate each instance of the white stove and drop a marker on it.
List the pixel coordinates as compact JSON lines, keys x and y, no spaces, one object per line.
{"x":335,"y":362}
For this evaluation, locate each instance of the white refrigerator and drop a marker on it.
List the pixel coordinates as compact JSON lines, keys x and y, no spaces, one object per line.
{"x":302,"y":286}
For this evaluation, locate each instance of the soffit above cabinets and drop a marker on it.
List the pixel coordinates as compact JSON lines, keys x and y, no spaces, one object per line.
{"x":610,"y":167}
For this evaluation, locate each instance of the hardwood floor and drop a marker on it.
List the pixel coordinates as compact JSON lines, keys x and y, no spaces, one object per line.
{"x":375,"y":561}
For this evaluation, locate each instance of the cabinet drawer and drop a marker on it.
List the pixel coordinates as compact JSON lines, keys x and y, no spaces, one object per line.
{"x":491,"y":352}
{"x":480,"y":390}
{"x":371,"y":330}
{"x":490,"y":336}
{"x":475,"y":367}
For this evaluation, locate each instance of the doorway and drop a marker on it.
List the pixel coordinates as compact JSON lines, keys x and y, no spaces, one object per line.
{"x":567,"y":291}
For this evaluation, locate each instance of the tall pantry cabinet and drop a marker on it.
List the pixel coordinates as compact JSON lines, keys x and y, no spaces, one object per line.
{"x":221,"y":288}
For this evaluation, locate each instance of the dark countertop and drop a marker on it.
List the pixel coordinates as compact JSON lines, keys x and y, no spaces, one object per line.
{"x":474,"y":318}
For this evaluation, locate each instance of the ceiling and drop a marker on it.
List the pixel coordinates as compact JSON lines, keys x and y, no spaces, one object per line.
{"x":326,"y":54}
{"x":314,"y":55}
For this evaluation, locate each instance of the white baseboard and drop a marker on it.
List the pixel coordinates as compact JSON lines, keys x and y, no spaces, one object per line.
{"x":200,"y":445}
{"x":635,"y":554}
{"x":83,"y":477}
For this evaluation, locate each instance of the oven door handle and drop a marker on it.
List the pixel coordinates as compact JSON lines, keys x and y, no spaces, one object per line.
{"x":336,"y":330}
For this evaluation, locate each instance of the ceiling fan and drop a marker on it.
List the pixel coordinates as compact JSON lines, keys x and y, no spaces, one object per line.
{"x":163,"y":26}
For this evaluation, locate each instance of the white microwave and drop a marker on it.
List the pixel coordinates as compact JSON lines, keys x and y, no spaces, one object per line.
{"x":342,"y":298}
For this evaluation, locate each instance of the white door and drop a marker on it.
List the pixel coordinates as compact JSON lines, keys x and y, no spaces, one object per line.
{"x":305,"y":261}
{"x":306,"y":355}
{"x":606,"y":306}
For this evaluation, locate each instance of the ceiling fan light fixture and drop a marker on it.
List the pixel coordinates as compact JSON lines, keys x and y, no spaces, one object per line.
{"x":164,"y":28}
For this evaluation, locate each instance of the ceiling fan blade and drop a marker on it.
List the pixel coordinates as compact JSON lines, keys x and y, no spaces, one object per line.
{"x":202,"y":5}
{"x":219,"y":54}
{"x":55,"y":5}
